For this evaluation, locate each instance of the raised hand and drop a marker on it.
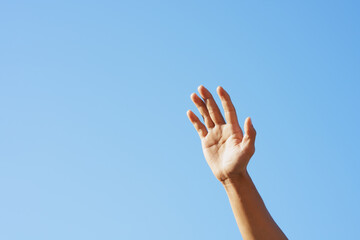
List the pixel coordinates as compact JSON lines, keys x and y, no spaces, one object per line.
{"x":226,"y":149}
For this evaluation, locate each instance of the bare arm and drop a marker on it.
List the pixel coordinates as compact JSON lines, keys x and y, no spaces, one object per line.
{"x":228,"y":150}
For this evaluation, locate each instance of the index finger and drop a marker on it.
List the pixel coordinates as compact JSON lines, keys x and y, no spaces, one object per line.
{"x":229,"y":109}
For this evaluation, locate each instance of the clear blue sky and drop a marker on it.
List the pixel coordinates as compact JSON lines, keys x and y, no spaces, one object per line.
{"x":94,"y":138}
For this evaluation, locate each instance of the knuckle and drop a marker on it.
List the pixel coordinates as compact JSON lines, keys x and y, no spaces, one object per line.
{"x":251,"y":149}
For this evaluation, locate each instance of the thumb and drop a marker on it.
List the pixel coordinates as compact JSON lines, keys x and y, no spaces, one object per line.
{"x":250,"y":132}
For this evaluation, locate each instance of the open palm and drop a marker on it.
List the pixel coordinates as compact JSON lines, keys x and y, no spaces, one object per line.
{"x":226,"y":149}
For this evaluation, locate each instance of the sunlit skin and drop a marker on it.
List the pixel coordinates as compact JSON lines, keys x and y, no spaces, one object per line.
{"x":227,"y":150}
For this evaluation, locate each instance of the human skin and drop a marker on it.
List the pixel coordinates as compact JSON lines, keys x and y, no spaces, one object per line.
{"x":227,"y":150}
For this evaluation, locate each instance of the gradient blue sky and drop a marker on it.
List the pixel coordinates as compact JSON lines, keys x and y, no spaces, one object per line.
{"x":94,"y":138}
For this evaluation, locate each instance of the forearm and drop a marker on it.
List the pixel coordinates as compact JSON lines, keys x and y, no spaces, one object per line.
{"x":252,"y":217}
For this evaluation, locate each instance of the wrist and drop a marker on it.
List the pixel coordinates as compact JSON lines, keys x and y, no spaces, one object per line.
{"x":236,"y":179}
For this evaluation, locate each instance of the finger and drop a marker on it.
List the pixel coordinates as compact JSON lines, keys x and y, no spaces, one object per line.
{"x":250,"y":132}
{"x":199,"y":126}
{"x":211,"y":105}
{"x":229,"y":109}
{"x":203,"y":110}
